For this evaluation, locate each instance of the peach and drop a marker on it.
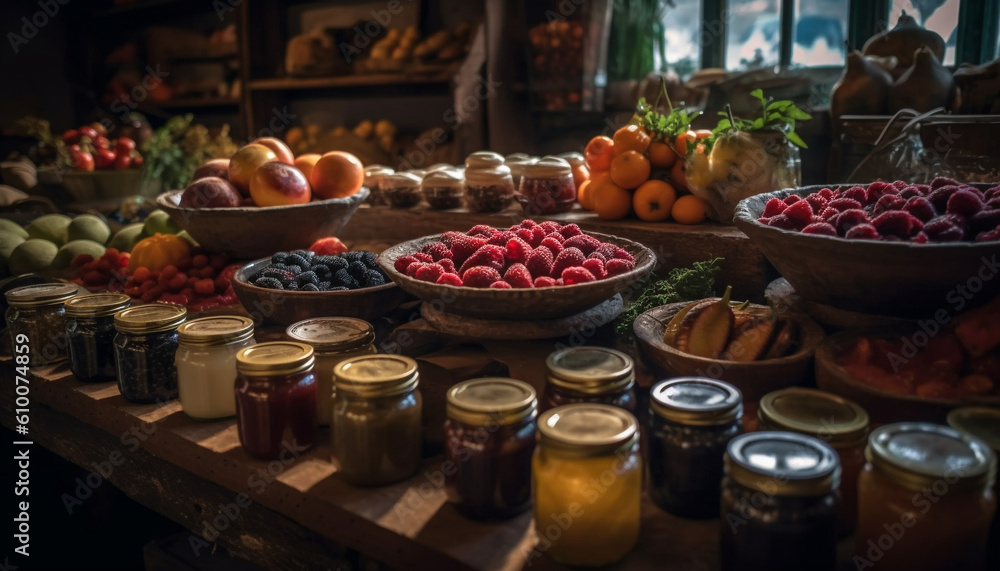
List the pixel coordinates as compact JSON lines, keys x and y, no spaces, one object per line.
{"x":337,"y":175}
{"x":279,"y":184}
{"x":210,"y":192}
{"x":214,"y":167}
{"x":305,"y":163}
{"x":245,"y":163}
{"x":280,"y":149}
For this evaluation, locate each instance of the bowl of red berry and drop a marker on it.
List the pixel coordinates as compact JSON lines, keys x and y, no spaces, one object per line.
{"x":529,"y":271}
{"x":899,"y":249}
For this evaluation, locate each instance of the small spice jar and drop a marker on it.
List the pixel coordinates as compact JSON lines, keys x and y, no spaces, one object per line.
{"x":206,"y":364}
{"x":443,"y":189}
{"x":401,"y":190}
{"x":376,"y":419}
{"x":925,"y":499}
{"x":483,"y":160}
{"x":374,"y":174}
{"x":589,"y":374}
{"x":489,"y":439}
{"x":333,"y":339}
{"x":983,"y":423}
{"x":36,"y":319}
{"x":579,"y":166}
{"x":837,"y":421}
{"x":488,"y":189}
{"x":779,"y":503}
{"x":547,"y":187}
{"x":276,"y":399}
{"x":518,"y":166}
{"x":691,"y":421}
{"x":145,"y":351}
{"x":90,"y":332}
{"x":587,"y":484}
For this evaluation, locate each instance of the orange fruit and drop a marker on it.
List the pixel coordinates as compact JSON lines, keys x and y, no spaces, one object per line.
{"x":631,"y":138}
{"x":677,"y":174}
{"x":581,"y":174}
{"x":681,"y":142}
{"x":661,"y":155}
{"x":610,"y":201}
{"x":585,"y":194}
{"x":653,"y":200}
{"x":305,"y":163}
{"x":689,"y":209}
{"x":630,"y":169}
{"x":700,"y":134}
{"x":599,"y":152}
{"x":337,"y":175}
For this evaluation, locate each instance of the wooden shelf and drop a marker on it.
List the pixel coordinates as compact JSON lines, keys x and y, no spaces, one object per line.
{"x":367,"y":80}
{"x":198,"y":102}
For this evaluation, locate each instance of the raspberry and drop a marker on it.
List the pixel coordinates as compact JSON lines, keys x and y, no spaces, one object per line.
{"x":820,"y":228}
{"x":205,"y":286}
{"x":878,"y":189}
{"x":817,"y":202}
{"x":984,"y":221}
{"x":501,"y":238}
{"x":429,"y":273}
{"x":897,"y":223}
{"x":152,"y":295}
{"x":178,"y":281}
{"x":411,"y":270}
{"x":920,"y":208}
{"x":946,"y":228}
{"x":570,"y":230}
{"x":448,"y":265}
{"x":544,"y":281}
{"x":518,"y":276}
{"x":528,"y":223}
{"x":480,"y":276}
{"x":856,"y":193}
{"x":899,"y":184}
{"x":218,"y":261}
{"x":598,"y":256}
{"x":991,"y":204}
{"x":826,"y":193}
{"x":420,"y":256}
{"x":540,"y":262}
{"x":201,"y":260}
{"x":550,"y":226}
{"x":992,"y":193}
{"x":437,"y":251}
{"x":773,"y":207}
{"x":799,"y":213}
{"x":500,"y":285}
{"x":596,"y":267}
{"x":141,"y":274}
{"x":570,"y":257}
{"x":222,"y":283}
{"x":556,"y":236}
{"x":989,"y":236}
{"x":924,"y":189}
{"x":464,"y":246}
{"x":586,"y":244}
{"x":80,"y":259}
{"x":517,"y":251}
{"x":621,"y":254}
{"x":888,"y":203}
{"x":942,"y":181}
{"x":577,"y":275}
{"x":844,"y":204}
{"x":484,"y":230}
{"x":551,"y":245}
{"x":791,"y":199}
{"x":489,"y":255}
{"x":94,"y":277}
{"x":848,"y":219}
{"x":920,"y":238}
{"x":617,"y":267}
{"x":939,"y":196}
{"x":964,"y":202}
{"x":780,"y":221}
{"x":526,"y":235}
{"x":909,"y":192}
{"x":450,"y":279}
{"x":828,"y":213}
{"x":862,"y":232}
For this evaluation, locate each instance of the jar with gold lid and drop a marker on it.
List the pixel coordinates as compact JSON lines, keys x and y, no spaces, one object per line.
{"x":443,"y":189}
{"x":587,"y":484}
{"x":145,"y":351}
{"x":489,"y":440}
{"x":374,"y":174}
{"x":36,"y":319}
{"x":206,"y":364}
{"x":518,"y":165}
{"x":489,"y":189}
{"x":589,"y":374}
{"x":579,"y":165}
{"x":483,"y":160}
{"x":547,"y":187}
{"x":376,"y":419}
{"x":90,"y":333}
{"x":276,"y":399}
{"x":983,"y":423}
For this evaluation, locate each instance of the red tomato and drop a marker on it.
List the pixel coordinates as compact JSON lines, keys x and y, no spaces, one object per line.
{"x":124,"y":143}
{"x":123,"y":162}
{"x":88,"y":132}
{"x":104,"y":158}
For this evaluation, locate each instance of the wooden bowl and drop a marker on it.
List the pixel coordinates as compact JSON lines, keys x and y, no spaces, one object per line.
{"x":251,"y":232}
{"x":897,"y":279}
{"x":754,"y":379}
{"x":288,"y":307}
{"x":98,"y":184}
{"x":521,"y":303}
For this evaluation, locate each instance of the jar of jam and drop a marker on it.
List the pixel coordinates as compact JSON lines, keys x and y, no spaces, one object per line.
{"x":373,"y":180}
{"x":691,"y":421}
{"x":779,"y":503}
{"x":547,"y":187}
{"x":443,"y":189}
{"x":489,"y":439}
{"x":36,"y":319}
{"x":518,"y":166}
{"x":587,"y":484}
{"x":589,"y":374}
{"x":376,"y":419}
{"x":402,"y":190}
{"x":834,"y":420}
{"x":333,"y":339}
{"x":206,"y":364}
{"x":488,"y":189}
{"x":145,"y":351}
{"x":983,"y":423}
{"x":925,"y":499}
{"x":90,"y":332}
{"x":483,"y":160}
{"x":579,"y":166}
{"x":276,"y":399}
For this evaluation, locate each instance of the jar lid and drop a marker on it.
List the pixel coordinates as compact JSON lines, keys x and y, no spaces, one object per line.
{"x":834,"y":420}
{"x":376,"y":375}
{"x":488,"y":176}
{"x":437,"y":167}
{"x":483,"y":159}
{"x":590,"y":370}
{"x":782,"y":464}
{"x":219,"y":330}
{"x":97,"y":304}
{"x":587,"y":429}
{"x":150,"y":318}
{"x":332,"y":334}
{"x":980,"y":421}
{"x":574,"y":159}
{"x":517,"y":157}
{"x":918,"y":454}
{"x":491,"y":401}
{"x":696,"y":402}
{"x":549,"y":167}
{"x":41,"y":294}
{"x":443,"y":178}
{"x":274,"y":358}
{"x":400,"y":180}
{"x":376,"y":173}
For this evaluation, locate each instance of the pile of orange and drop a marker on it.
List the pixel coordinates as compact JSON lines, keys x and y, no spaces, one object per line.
{"x":632,"y":173}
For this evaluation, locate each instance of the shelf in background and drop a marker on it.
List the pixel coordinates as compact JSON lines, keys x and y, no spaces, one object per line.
{"x":366,"y":80}
{"x":197,"y":102}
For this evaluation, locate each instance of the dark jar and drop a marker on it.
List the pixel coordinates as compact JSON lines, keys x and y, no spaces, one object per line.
{"x":779,"y":503}
{"x":589,"y":375}
{"x":276,"y":399}
{"x":691,"y":421}
{"x":489,"y":438}
{"x":145,"y":350}
{"x":36,"y":320}
{"x":488,"y":189}
{"x":90,"y":333}
{"x":443,"y":189}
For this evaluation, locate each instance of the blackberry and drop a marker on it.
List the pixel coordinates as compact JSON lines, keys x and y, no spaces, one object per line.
{"x":342,"y":277}
{"x":309,"y":287}
{"x":339,"y":288}
{"x":299,"y":261}
{"x":279,"y":258}
{"x":284,"y":276}
{"x":338,"y":263}
{"x":369,"y":259}
{"x":323,"y":286}
{"x":372,"y":278}
{"x":270,"y":283}
{"x":292,"y":286}
{"x":324,"y":273}
{"x":307,"y":254}
{"x":357,"y":269}
{"x":324,"y":260}
{"x":278,"y":265}
{"x":309,"y":277}
{"x":352,"y":256}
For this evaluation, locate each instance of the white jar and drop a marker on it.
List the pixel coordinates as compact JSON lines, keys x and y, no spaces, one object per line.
{"x":206,"y":364}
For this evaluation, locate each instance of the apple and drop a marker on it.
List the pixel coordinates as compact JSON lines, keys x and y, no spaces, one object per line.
{"x":122,"y":162}
{"x":305,"y":163}
{"x":124,"y":144}
{"x":210,"y":192}
{"x":80,"y":160}
{"x":104,"y":158}
{"x":280,"y":149}
{"x":279,"y":184}
{"x":245,"y":163}
{"x":214,"y":167}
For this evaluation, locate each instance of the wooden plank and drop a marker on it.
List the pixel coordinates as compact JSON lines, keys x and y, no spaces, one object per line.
{"x":357,"y":80}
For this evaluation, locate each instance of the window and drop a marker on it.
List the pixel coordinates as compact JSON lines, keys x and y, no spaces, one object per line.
{"x":682,"y":24}
{"x":753,"y":33}
{"x":940,"y":16}
{"x":820,"y":32}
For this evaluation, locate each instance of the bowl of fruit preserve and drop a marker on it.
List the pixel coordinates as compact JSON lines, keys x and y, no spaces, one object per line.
{"x":887,"y":248}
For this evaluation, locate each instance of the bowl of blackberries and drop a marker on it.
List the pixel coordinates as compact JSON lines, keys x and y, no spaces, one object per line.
{"x":288,"y":287}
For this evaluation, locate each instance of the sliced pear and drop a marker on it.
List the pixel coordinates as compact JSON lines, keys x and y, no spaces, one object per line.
{"x":784,"y":340}
{"x":705,"y":330}
{"x":670,"y":333}
{"x":751,"y":342}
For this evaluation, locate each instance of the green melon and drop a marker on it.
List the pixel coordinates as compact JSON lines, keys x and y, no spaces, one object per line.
{"x":71,"y":249}
{"x":11,"y":227}
{"x":88,"y":227}
{"x":51,"y":227}
{"x":32,"y":255}
{"x":126,"y":238}
{"x":159,"y":221}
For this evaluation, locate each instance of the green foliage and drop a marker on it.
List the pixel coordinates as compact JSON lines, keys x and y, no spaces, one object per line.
{"x":775,"y":116}
{"x":663,"y":126}
{"x":178,"y":148}
{"x":681,"y":284}
{"x":50,"y":149}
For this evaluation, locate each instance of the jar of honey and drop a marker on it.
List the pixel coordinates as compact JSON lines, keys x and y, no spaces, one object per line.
{"x":206,"y":364}
{"x":983,"y":423}
{"x":589,"y":374}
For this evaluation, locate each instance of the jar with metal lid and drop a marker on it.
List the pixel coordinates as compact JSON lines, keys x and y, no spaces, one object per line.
{"x":90,"y":333}
{"x":518,"y":166}
{"x":837,"y":421}
{"x":145,"y":351}
{"x":925,"y":499}
{"x":206,"y":364}
{"x":489,"y":189}
{"x":983,"y":423}
{"x":333,"y":339}
{"x":547,"y":187}
{"x":579,"y":165}
{"x":443,"y":189}
{"x":587,"y":484}
{"x":691,"y":421}
{"x":489,"y":439}
{"x":402,"y":190}
{"x":374,"y":174}
{"x":484,"y":160}
{"x":36,"y":320}
{"x":589,"y":374}
{"x":376,"y":419}
{"x":779,"y":503}
{"x":276,"y":399}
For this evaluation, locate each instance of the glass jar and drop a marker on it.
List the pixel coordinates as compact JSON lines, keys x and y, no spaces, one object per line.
{"x":145,"y":351}
{"x":518,"y":166}
{"x":484,"y":160}
{"x":90,"y":333}
{"x":983,"y":423}
{"x":547,"y":187}
{"x":374,"y":174}
{"x":691,"y":421}
{"x":376,"y":419}
{"x":589,"y":374}
{"x":489,"y":439}
{"x":206,"y":364}
{"x":402,"y":190}
{"x":779,"y":503}
{"x":443,"y":189}
{"x":36,"y":319}
{"x":489,"y":189}
{"x":587,"y":484}
{"x":579,"y":166}
{"x":333,"y":339}
{"x":925,"y":499}
{"x":837,"y":421}
{"x":276,"y":399}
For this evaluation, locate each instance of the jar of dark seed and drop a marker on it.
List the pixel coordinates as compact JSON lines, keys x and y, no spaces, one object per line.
{"x":488,"y":189}
{"x":36,"y":319}
{"x":145,"y":351}
{"x":443,"y":189}
{"x":90,"y":331}
{"x":402,"y":190}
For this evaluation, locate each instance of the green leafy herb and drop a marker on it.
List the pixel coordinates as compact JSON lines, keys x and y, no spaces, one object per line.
{"x":663,"y":126}
{"x":775,"y":116}
{"x":681,"y":284}
{"x":178,"y":148}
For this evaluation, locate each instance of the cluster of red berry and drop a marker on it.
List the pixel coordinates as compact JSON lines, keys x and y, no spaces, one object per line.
{"x":101,"y":274}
